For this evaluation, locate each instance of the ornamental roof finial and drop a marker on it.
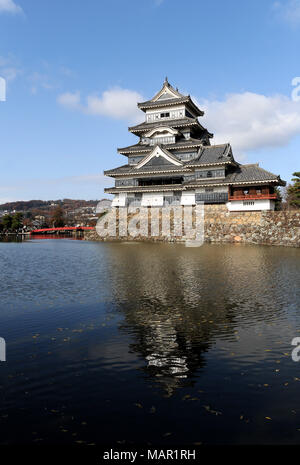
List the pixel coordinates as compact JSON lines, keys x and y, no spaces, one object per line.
{"x":166,"y":80}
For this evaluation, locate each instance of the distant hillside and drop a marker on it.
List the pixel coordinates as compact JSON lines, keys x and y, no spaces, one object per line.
{"x":44,"y":204}
{"x":46,"y":213}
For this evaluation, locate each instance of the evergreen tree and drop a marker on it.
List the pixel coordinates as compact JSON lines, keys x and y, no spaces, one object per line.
{"x":278,"y":201}
{"x":7,"y":221}
{"x":17,"y":221}
{"x":293,"y":191}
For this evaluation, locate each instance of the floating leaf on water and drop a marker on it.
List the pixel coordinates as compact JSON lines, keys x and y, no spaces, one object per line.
{"x":138,"y":405}
{"x":167,"y":434}
{"x":153,"y":409}
{"x":268,"y":418}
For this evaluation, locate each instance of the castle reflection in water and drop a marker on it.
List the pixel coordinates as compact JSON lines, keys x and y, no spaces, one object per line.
{"x":176,"y":302}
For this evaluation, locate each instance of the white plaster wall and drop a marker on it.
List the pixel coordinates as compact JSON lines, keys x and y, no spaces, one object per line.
{"x":165,"y":109}
{"x":153,"y":200}
{"x":119,"y":200}
{"x":188,"y":198}
{"x":238,"y":205}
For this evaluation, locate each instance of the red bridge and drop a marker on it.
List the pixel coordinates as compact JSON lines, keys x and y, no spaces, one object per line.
{"x":64,"y":229}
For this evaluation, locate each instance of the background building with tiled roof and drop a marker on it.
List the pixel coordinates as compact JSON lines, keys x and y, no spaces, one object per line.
{"x":175,"y":163}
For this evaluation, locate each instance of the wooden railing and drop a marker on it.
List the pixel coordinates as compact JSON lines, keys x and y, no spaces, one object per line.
{"x":253,"y":197}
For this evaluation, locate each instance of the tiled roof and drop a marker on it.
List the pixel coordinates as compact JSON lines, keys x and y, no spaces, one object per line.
{"x":128,"y":169}
{"x":168,"y":187}
{"x":213,"y":154}
{"x":186,"y":143}
{"x":245,"y":173}
{"x":173,"y":123}
{"x":164,"y":102}
{"x":241,"y":174}
{"x":169,"y":102}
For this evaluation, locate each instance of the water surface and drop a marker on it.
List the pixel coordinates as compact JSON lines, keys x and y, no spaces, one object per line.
{"x":148,"y":343}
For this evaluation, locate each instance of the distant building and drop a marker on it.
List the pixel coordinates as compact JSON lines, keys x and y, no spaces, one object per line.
{"x":175,"y":163}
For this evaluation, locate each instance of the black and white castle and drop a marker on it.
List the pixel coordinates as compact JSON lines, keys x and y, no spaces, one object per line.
{"x":174,"y":163}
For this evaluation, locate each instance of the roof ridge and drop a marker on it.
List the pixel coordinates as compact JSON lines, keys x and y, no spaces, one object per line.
{"x":216,"y":145}
{"x":252,"y":164}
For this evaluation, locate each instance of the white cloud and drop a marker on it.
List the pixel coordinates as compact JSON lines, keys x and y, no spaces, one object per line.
{"x":247,"y":120}
{"x":41,"y":81}
{"x":9,"y":69}
{"x":70,"y":100}
{"x":115,"y":103}
{"x":9,"y":6}
{"x":289,"y":11}
{"x":252,"y":121}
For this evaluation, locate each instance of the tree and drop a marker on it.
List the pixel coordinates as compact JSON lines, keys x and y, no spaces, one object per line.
{"x":17,"y":221}
{"x":7,"y":221}
{"x":293,"y":191}
{"x":278,"y":201}
{"x":57,"y":218}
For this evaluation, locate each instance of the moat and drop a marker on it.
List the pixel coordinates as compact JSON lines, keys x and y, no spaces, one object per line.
{"x":140,"y":343}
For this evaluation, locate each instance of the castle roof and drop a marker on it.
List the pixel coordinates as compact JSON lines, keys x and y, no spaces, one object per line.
{"x":213,"y":154}
{"x":168,"y":96}
{"x":246,"y":173}
{"x":144,"y":148}
{"x":173,"y":123}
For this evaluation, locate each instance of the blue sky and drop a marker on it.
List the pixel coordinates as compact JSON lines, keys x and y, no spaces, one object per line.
{"x":75,"y":70}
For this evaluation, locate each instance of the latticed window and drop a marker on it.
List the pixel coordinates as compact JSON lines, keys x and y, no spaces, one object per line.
{"x":125,"y":182}
{"x":210,"y":174}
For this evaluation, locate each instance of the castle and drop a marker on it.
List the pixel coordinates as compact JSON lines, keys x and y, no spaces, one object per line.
{"x":174,"y":163}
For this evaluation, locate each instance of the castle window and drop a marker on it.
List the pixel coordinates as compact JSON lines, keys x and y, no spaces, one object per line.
{"x":209,"y":189}
{"x":209,"y":174}
{"x":164,"y":115}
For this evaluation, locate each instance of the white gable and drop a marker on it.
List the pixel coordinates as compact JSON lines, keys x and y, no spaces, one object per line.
{"x":165,"y":93}
{"x":160,"y":130}
{"x":158,"y":152}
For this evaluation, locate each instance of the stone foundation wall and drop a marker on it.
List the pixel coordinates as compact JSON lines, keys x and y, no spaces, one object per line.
{"x":220,"y":226}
